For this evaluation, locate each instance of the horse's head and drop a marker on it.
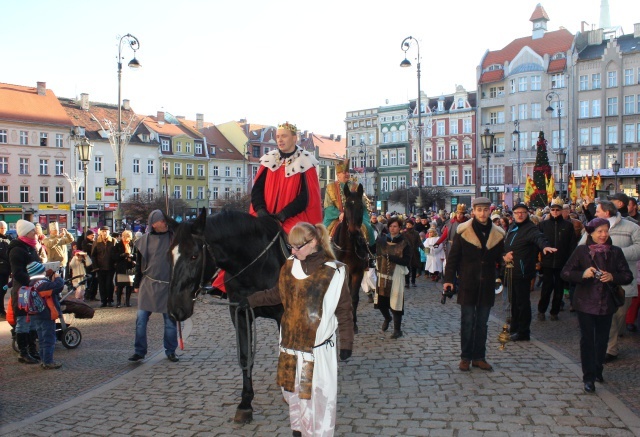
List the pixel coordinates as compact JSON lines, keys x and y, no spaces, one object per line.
{"x":192,"y":264}
{"x":353,"y":208}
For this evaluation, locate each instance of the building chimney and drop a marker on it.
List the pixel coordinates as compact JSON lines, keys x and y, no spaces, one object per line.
{"x":126,"y":104}
{"x":199,"y":121}
{"x":160,"y":116}
{"x":180,"y":117}
{"x":84,"y":101}
{"x":339,"y":137}
{"x":42,"y":88}
{"x":605,"y":18}
{"x":331,"y":137}
{"x":636,"y":30}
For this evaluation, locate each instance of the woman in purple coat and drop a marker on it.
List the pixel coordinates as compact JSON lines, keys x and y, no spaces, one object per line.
{"x":597,"y":268}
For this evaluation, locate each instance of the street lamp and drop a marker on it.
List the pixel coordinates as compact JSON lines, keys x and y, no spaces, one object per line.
{"x":516,"y":132}
{"x":133,"y":42}
{"x":616,"y":168}
{"x":487,"y":147}
{"x":405,"y":46}
{"x":562,"y":158}
{"x":363,"y":149}
{"x":84,"y":148}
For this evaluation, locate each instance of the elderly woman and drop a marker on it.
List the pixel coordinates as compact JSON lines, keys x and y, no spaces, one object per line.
{"x":597,"y":268}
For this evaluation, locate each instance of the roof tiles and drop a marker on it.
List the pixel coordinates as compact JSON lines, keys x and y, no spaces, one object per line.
{"x":23,"y":103}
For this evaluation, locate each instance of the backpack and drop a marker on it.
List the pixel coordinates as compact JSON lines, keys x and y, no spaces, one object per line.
{"x":30,"y":301}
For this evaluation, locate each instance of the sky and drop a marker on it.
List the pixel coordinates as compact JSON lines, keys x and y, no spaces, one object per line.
{"x":269,"y":61}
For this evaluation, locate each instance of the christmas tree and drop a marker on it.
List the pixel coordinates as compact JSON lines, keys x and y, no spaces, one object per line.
{"x":541,"y":171}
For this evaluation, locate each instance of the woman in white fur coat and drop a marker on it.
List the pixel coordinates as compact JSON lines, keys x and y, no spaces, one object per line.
{"x":435,"y":256}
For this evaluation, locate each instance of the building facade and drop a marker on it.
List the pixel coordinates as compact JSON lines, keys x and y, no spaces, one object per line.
{"x":362,"y":141}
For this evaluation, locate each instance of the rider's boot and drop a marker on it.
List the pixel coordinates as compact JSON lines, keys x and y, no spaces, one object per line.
{"x":397,"y":325}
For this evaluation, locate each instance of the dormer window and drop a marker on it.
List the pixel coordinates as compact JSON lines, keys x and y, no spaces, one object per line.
{"x":559,"y":55}
{"x":494,"y":67}
{"x":440,"y":105}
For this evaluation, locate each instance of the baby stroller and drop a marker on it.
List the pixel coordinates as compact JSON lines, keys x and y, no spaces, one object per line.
{"x":68,"y":335}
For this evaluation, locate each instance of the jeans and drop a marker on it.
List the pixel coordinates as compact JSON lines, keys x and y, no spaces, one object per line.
{"x":521,"y":307}
{"x":473,"y":331}
{"x":594,"y":334}
{"x":551,"y":284}
{"x":170,"y":339}
{"x":46,"y":329}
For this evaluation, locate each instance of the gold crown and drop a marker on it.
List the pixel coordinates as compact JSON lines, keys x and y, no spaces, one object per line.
{"x":286,"y":125}
{"x":557,"y":202}
{"x":342,"y":166}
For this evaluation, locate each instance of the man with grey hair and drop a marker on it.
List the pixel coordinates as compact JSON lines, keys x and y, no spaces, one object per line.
{"x":5,"y":266}
{"x":626,"y":235}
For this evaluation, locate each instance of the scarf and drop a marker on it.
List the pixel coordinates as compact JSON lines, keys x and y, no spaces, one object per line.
{"x":599,"y":248}
{"x":482,"y":231}
{"x":30,"y":241}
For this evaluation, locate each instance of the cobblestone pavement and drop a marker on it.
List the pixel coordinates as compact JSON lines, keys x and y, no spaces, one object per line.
{"x":409,"y":387}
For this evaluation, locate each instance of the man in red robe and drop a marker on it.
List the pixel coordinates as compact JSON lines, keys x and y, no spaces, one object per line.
{"x":286,"y":185}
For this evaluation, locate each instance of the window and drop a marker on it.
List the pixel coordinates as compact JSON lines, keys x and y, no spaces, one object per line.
{"x":97,"y":163}
{"x":595,"y":108}
{"x":466,"y":126}
{"x":629,"y":104}
{"x":440,"y":152}
{"x":612,"y":79}
{"x":453,"y":151}
{"x":216,"y":171}
{"x":402,"y":157}
{"x":200,"y":192}
{"x":59,"y":194}
{"x":524,"y":140}
{"x":24,"y":166}
{"x":628,"y":76}
{"x":629,"y":133}
{"x":384,"y":157}
{"x":177,"y":191}
{"x":466,"y":147}
{"x":595,"y":161}
{"x":453,"y":177}
{"x":393,"y":158}
{"x":584,"y":136}
{"x":512,"y":111}
{"x":81,"y":194}
{"x":557,"y":80}
{"x":584,"y":83}
{"x":136,"y":193}
{"x":628,"y":159}
{"x":59,"y":140}
{"x":638,"y":131}
{"x":536,"y":83}
{"x":394,"y":136}
{"x":512,"y":86}
{"x":427,"y":155}
{"x":611,"y":158}
{"x":238,"y":172}
{"x":402,"y":181}
{"x":522,"y":111}
{"x":136,"y":166}
{"x":200,"y":170}
{"x":466,"y":176}
{"x":214,"y":193}
{"x":44,"y":167}
{"x":187,"y":147}
{"x":97,"y":192}
{"x":24,"y":138}
{"x":612,"y":106}
{"x":522,"y":84}
{"x":44,"y":194}
{"x":498,"y":144}
{"x":612,"y":134}
{"x":453,"y":127}
{"x":595,"y":81}
{"x":371,"y":139}
{"x":227,"y":171}
{"x":3,"y":136}
{"x":493,"y":117}
{"x":150,"y":166}
{"x":165,"y":145}
{"x":59,"y":167}
{"x":555,"y":144}
{"x":584,"y":109}
{"x":24,"y":194}
{"x":440,"y":128}
{"x":596,"y":136}
{"x":178,"y":146}
{"x":385,"y":137}
{"x":198,"y":147}
{"x":372,"y":160}
{"x":4,"y":165}
{"x":177,"y":169}
{"x":384,"y":184}
{"x":255,"y":151}
{"x":43,"y":139}
{"x":189,"y":192}
{"x":189,"y":170}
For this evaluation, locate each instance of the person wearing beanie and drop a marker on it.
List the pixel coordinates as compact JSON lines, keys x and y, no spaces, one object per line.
{"x":101,"y":255}
{"x":5,"y":266}
{"x":22,"y":251}
{"x":597,"y":267}
{"x":56,"y":245}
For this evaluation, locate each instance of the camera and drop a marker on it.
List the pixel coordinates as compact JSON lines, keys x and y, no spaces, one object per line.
{"x":446,"y":293}
{"x":597,"y":274}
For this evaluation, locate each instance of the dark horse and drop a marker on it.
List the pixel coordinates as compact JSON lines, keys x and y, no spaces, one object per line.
{"x":249,"y":250}
{"x":352,"y":247}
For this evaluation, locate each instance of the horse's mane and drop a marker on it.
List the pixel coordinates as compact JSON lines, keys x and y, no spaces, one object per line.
{"x":231,"y":224}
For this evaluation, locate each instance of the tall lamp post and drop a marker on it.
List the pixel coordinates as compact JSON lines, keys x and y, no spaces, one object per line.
{"x":550,"y":96}
{"x":405,"y":46}
{"x":616,"y":168}
{"x":562,"y":158}
{"x":132,"y":42}
{"x":516,"y":134}
{"x":363,"y":150}
{"x":487,"y":147}
{"x":84,"y":148}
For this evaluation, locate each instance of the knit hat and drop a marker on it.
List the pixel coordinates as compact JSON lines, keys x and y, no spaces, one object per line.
{"x":595,"y":224}
{"x":35,"y":269}
{"x":89,"y":232}
{"x":155,"y":216}
{"x":53,"y":226}
{"x":23,"y":227}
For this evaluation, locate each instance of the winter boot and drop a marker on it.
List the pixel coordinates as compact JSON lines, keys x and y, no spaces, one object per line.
{"x":23,"y":345}
{"x":33,"y":348}
{"x":397,"y":325}
{"x":127,"y":301}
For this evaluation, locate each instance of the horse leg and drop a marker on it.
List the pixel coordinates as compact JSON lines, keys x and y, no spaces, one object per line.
{"x":244,"y":412}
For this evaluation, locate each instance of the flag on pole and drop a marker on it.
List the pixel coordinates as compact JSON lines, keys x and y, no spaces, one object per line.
{"x":592,"y":186}
{"x":551,"y":189}
{"x":528,"y":189}
{"x":598,"y":181}
{"x":573,"y":190}
{"x":584,"y":186}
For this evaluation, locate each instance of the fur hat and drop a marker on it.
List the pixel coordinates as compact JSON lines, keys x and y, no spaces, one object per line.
{"x":53,"y":226}
{"x":23,"y":227}
{"x":35,"y":269}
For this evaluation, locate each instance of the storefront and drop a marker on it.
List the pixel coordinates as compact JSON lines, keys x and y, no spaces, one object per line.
{"x":460,"y":195}
{"x":99,"y":214}
{"x":49,"y":213}
{"x":10,"y":214}
{"x":495,"y":193}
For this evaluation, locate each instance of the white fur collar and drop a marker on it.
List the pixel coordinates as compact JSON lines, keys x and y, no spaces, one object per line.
{"x":299,"y":162}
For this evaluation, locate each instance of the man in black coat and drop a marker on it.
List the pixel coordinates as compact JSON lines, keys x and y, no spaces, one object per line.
{"x":476,"y":249}
{"x":521,"y":245}
{"x":561,"y":235}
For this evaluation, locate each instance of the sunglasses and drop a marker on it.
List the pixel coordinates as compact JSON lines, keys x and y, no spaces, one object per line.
{"x":290,"y":247}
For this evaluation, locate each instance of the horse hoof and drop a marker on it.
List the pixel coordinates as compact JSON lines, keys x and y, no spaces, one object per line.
{"x":243,"y":416}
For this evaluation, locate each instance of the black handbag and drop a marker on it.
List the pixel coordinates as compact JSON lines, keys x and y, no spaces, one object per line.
{"x":617,"y":293}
